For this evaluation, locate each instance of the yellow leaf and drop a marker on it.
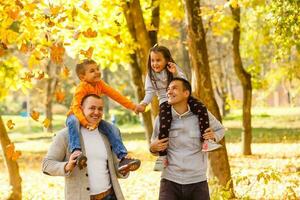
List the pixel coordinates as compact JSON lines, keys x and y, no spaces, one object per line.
{"x":89,"y":33}
{"x":88,"y":54}
{"x":46,"y":123}
{"x":10,"y":124}
{"x":57,"y":53}
{"x":27,"y":76}
{"x":60,"y":96}
{"x":40,"y":75}
{"x":65,"y":73}
{"x":35,"y":115}
{"x":234,"y":3}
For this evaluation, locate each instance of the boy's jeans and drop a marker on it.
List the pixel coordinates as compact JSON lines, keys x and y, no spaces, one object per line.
{"x":109,"y":130}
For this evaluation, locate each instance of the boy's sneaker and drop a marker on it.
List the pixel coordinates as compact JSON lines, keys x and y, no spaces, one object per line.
{"x":128,"y":164}
{"x":81,"y":161}
{"x":210,"y":145}
{"x":160,"y":163}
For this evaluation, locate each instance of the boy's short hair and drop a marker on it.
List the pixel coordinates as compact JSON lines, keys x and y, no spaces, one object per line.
{"x":80,"y":67}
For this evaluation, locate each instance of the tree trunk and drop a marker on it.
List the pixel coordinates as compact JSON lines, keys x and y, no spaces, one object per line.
{"x":136,"y":26}
{"x":140,"y":92}
{"x":12,"y":166}
{"x":51,"y":86}
{"x":245,"y":79}
{"x":218,"y":160}
{"x":153,"y":40}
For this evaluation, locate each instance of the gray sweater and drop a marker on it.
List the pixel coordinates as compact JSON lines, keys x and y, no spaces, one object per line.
{"x":77,"y":183}
{"x":187,"y":163}
{"x":161,"y":83}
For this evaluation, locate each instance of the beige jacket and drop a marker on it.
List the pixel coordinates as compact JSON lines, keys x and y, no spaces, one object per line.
{"x":76,"y":182}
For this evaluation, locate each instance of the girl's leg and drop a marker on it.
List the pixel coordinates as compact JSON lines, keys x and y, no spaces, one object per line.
{"x":165,"y":119}
{"x":200,"y":110}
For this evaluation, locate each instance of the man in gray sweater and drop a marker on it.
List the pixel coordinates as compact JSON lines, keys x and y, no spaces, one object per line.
{"x":184,"y":175}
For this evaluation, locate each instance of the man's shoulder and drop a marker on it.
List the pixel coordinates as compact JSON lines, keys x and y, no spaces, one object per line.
{"x":63,"y":133}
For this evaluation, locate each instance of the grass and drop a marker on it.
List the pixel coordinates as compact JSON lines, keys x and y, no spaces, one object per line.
{"x":276,"y":144}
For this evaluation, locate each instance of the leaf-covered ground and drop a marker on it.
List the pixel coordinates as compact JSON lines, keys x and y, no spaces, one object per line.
{"x":277,"y":166}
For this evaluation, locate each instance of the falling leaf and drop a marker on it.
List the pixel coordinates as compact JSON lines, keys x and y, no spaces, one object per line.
{"x":60,"y":96}
{"x":88,"y":54}
{"x":18,"y":3}
{"x":40,"y":75}
{"x":24,"y":48}
{"x":57,"y":53}
{"x":27,"y":76}
{"x":11,"y":153}
{"x":76,"y":35}
{"x":10,"y":124}
{"x":51,"y":23}
{"x":234,"y":3}
{"x":62,"y":19}
{"x":65,"y":72}
{"x":89,"y":33}
{"x":74,"y":13}
{"x":85,"y":7}
{"x":14,"y":14}
{"x":54,"y":10}
{"x":35,"y":115}
{"x":46,"y":123}
{"x":118,"y":38}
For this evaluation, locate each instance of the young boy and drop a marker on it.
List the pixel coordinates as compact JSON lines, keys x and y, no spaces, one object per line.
{"x":91,"y":83}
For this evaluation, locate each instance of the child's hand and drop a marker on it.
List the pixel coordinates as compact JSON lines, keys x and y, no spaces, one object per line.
{"x":140,"y":108}
{"x":172,"y":68}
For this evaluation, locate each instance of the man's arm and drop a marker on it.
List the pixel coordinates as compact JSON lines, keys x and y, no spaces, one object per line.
{"x":216,"y":127}
{"x":54,"y":163}
{"x":156,"y":144}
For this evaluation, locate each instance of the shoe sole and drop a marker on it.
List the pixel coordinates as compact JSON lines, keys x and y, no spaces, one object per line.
{"x":130,"y":166}
{"x":81,"y":162}
{"x":212,"y":149}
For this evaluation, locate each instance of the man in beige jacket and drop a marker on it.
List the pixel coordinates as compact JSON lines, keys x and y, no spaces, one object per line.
{"x":98,"y":181}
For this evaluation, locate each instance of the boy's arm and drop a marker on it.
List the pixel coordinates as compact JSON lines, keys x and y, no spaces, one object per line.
{"x":115,"y":95}
{"x":76,"y":105}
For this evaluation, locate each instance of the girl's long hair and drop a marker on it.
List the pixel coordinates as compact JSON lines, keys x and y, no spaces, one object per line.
{"x":167,"y":55}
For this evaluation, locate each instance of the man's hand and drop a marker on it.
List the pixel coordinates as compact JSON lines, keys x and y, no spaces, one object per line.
{"x":209,"y":134}
{"x":72,"y":161}
{"x":159,"y":145}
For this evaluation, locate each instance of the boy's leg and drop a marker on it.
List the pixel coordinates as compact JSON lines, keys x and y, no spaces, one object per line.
{"x":74,"y":140}
{"x":114,"y":136}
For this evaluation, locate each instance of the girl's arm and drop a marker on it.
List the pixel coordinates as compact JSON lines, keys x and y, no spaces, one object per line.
{"x":149,"y":91}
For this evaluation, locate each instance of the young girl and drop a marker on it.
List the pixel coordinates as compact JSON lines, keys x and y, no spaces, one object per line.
{"x":161,"y":70}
